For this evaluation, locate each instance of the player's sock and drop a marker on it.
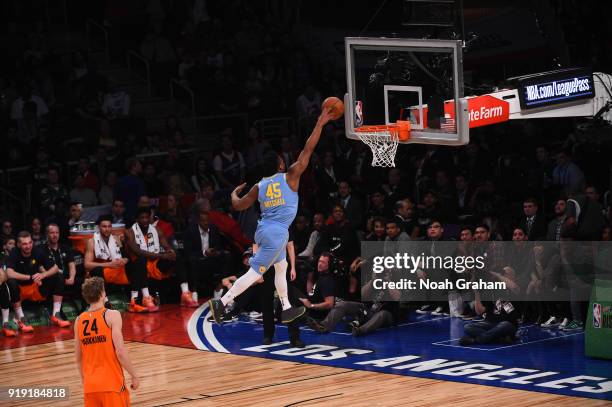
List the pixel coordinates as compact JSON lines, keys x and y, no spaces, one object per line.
{"x":184,"y":287}
{"x":5,"y":315}
{"x":194,"y":295}
{"x":134,"y":295}
{"x":218,"y":294}
{"x":145,"y":292}
{"x":57,"y":306}
{"x":19,"y":313}
{"x":280,"y":281}
{"x":240,"y":286}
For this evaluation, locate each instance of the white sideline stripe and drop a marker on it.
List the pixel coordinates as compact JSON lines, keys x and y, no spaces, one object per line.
{"x":192,"y":327}
{"x":422,"y":322}
{"x":210,"y":335}
{"x":303,"y":328}
{"x":443,"y":343}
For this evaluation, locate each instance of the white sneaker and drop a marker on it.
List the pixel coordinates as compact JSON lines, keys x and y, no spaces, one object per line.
{"x":563,"y":323}
{"x":194,"y":296}
{"x":424,"y":309}
{"x":551,"y":322}
{"x":255,"y":315}
{"x":438,"y":311}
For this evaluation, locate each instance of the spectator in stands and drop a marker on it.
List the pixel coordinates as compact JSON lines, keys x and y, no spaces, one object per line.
{"x":405,"y":214}
{"x":378,"y":233}
{"x":322,"y":298}
{"x":104,"y":258}
{"x":201,"y":174}
{"x":81,"y":193}
{"x":327,"y":177}
{"x":339,"y":237}
{"x":308,"y":104}
{"x":8,"y":244}
{"x":353,"y":208}
{"x":395,"y":187}
{"x":462,"y":197}
{"x":533,"y":223}
{"x":592,"y":192}
{"x":153,"y":185}
{"x":229,"y":165}
{"x":429,"y":209}
{"x":53,"y":196}
{"x":255,"y":151}
{"x":318,"y":222}
{"x":173,"y":214}
{"x":152,"y":258}
{"x":116,"y":102}
{"x":541,"y":172}
{"x":206,"y":257}
{"x":107,"y":190}
{"x":567,"y":175}
{"x":90,"y":178}
{"x":172,"y":176}
{"x":377,"y":204}
{"x":75,"y":212}
{"x":33,"y":277}
{"x":556,"y":224}
{"x":7,"y":229}
{"x":118,"y":212}
{"x":38,"y":237}
{"x":19,"y":105}
{"x":63,"y":257}
{"x":130,"y":187}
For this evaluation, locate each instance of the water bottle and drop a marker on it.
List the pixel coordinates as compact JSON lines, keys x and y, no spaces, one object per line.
{"x":157,"y":299}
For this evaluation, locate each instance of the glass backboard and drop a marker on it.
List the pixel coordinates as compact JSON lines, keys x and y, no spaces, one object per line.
{"x":419,"y":80}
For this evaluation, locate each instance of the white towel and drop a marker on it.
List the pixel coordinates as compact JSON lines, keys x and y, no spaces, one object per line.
{"x":148,"y":243}
{"x":104,"y":251}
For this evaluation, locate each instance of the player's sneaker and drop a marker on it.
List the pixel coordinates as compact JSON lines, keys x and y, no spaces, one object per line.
{"x":291,"y":314}
{"x":550,"y":323}
{"x":24,"y":326}
{"x":438,"y":311}
{"x":296,"y":343}
{"x":58,"y":321}
{"x":425,"y":309}
{"x":134,"y":307}
{"x":355,"y":331}
{"x":563,"y":324}
{"x":573,"y":326}
{"x":149,"y":304}
{"x":187,"y":300}
{"x":9,"y":329}
{"x":217,"y":309}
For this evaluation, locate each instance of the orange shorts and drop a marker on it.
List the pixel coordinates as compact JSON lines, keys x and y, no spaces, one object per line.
{"x":154,"y":272}
{"x":115,"y":276}
{"x":30,"y":292}
{"x":107,"y":399}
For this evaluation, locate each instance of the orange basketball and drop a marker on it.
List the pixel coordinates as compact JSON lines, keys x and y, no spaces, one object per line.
{"x":336,"y":106}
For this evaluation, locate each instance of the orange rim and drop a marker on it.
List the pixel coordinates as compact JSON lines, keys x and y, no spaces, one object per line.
{"x":401,"y":129}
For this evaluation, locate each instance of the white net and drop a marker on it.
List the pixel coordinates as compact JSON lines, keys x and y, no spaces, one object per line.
{"x":383,"y":144}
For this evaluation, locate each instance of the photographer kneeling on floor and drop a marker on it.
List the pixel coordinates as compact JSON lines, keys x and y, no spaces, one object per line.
{"x":365,"y":317}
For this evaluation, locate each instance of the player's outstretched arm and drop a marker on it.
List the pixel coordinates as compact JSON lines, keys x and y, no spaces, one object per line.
{"x":297,"y":168}
{"x":240,"y":204}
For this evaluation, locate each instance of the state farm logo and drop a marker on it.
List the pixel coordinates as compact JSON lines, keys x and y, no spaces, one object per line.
{"x":483,"y":111}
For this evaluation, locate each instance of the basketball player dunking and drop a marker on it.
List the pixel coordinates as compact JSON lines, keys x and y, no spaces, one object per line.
{"x":100,"y":351}
{"x":278,"y":199}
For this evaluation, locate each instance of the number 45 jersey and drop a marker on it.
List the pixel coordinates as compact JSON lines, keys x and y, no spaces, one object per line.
{"x":278,"y":202}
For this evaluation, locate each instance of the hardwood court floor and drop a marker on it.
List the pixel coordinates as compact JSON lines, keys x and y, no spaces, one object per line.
{"x":173,"y":376}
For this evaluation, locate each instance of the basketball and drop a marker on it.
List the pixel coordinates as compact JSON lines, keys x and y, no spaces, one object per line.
{"x":336,"y":106}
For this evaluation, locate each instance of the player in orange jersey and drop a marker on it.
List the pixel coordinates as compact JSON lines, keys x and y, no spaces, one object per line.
{"x":100,"y":351}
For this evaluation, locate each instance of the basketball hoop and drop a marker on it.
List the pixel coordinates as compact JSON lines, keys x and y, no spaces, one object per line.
{"x":383,"y":141}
